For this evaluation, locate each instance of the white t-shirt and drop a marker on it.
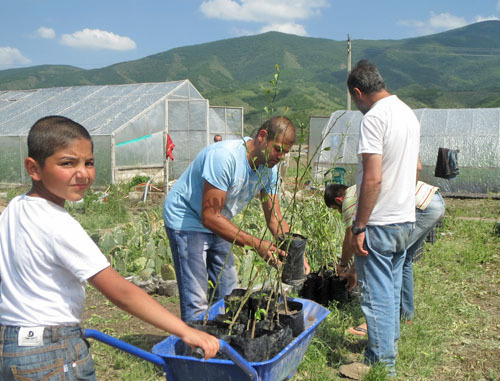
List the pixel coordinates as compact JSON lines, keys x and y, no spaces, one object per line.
{"x":391,"y":129}
{"x":45,"y":259}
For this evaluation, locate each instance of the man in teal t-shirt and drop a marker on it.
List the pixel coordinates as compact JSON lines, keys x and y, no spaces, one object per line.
{"x":215,"y":187}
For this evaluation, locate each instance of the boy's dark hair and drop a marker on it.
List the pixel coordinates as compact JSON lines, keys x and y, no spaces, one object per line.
{"x":332,"y":191}
{"x":366,"y":77}
{"x":275,"y":126}
{"x":52,"y":133}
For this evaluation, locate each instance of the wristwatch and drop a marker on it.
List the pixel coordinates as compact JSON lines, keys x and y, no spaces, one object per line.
{"x":356,"y":229}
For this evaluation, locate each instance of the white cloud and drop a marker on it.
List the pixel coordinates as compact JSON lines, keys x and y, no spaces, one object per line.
{"x":488,"y":18}
{"x":279,"y":15}
{"x":11,"y":57}
{"x":97,"y":39}
{"x":446,"y":21}
{"x":437,"y":22}
{"x":45,"y":32}
{"x":290,"y":28}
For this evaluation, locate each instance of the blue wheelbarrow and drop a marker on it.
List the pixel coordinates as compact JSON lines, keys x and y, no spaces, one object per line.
{"x":178,"y":367}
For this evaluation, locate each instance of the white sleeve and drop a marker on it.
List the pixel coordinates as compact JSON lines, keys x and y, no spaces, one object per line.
{"x":77,"y":251}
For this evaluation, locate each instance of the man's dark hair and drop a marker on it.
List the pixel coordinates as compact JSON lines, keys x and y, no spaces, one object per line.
{"x":366,"y":77}
{"x":332,"y":191}
{"x":276,"y":126}
{"x":52,"y":133}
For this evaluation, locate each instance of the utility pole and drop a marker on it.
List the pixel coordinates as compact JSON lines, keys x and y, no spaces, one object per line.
{"x":349,"y":56}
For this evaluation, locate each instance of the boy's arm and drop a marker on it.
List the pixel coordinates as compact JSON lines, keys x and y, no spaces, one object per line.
{"x":213,"y":219}
{"x":137,"y":302}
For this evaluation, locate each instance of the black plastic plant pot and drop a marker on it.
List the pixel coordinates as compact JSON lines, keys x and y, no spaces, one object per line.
{"x":310,"y":289}
{"x":338,"y":289}
{"x":265,"y":345}
{"x":293,"y":269}
{"x":294,"y":318}
{"x":324,"y":286}
{"x":324,"y":296}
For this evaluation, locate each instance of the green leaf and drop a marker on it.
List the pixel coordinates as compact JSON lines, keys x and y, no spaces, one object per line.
{"x":140,"y":262}
{"x":107,"y":243}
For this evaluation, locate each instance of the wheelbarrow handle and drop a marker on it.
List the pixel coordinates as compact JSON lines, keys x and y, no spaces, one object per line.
{"x":234,"y":356}
{"x":244,"y":365}
{"x":126,"y":347}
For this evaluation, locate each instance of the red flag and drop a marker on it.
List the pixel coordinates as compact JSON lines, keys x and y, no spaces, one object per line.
{"x":170,"y":148}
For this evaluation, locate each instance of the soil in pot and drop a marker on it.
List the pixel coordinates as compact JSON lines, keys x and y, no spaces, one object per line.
{"x":293,"y":269}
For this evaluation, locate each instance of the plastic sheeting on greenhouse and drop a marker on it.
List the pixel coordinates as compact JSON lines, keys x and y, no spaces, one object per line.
{"x":128,"y":123}
{"x":474,"y":132}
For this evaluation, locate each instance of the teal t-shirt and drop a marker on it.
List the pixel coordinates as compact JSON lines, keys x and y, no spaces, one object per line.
{"x":225,"y":166}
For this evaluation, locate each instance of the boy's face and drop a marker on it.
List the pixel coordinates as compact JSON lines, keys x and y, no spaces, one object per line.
{"x":67,"y":174}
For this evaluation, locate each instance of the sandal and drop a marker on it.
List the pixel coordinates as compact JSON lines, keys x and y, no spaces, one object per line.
{"x":360,"y":330}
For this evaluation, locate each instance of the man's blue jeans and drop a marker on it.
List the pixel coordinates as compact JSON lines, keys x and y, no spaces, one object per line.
{"x":198,"y":258}
{"x":425,"y":220}
{"x":379,"y":276}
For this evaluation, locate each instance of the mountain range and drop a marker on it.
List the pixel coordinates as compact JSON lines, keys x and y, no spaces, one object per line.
{"x":459,"y":68}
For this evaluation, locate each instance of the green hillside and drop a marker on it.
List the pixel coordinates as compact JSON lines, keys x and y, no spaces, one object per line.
{"x":458,"y":68}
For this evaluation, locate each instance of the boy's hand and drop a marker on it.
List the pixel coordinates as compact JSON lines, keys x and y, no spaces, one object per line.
{"x":195,"y":338}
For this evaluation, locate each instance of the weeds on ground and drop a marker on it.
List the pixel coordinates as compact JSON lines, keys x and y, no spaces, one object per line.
{"x":101,"y":209}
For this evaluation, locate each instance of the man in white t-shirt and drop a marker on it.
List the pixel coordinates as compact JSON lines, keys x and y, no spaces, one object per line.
{"x":388,"y":144}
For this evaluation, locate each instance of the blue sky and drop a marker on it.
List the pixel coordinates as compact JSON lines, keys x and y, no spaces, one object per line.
{"x":93,"y":34}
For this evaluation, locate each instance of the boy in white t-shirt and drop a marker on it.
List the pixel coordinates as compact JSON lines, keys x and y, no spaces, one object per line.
{"x":46,"y":258}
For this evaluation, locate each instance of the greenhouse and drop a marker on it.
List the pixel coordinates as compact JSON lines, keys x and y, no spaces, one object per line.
{"x":475,"y":133}
{"x":130,"y":125}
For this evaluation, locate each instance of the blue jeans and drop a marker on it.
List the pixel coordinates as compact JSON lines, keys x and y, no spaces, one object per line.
{"x":198,"y":258}
{"x":64,"y":355}
{"x":425,"y":220}
{"x":379,"y":276}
